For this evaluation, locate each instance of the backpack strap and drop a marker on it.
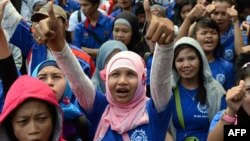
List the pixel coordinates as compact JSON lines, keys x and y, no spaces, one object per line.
{"x":79,"y":17}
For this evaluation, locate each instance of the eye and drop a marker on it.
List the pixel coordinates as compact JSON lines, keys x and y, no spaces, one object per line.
{"x":42,"y":77}
{"x":179,"y":60}
{"x":22,"y":122}
{"x":114,"y":74}
{"x":42,"y":118}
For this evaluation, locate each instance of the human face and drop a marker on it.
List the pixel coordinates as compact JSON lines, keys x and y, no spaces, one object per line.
{"x":55,"y":79}
{"x":185,"y":10}
{"x":208,"y":38}
{"x":187,"y":64}
{"x":123,"y":33}
{"x":32,"y":121}
{"x":87,"y":7}
{"x":221,"y":17}
{"x":246,"y":102}
{"x":122,"y":84}
{"x":125,"y":4}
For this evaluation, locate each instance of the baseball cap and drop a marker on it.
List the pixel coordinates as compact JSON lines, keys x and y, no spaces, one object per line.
{"x":43,"y":12}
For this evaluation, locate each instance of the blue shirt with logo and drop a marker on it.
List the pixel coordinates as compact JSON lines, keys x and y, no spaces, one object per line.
{"x":223,"y":71}
{"x":154,"y":131}
{"x":83,"y":35}
{"x":194,"y":114}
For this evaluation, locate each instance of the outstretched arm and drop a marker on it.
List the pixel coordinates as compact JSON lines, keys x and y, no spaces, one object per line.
{"x":8,"y":72}
{"x":161,"y":30}
{"x":47,"y":31}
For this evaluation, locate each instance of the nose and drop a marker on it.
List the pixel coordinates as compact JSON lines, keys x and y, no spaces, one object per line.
{"x":119,"y":34}
{"x":122,"y":80}
{"x":50,"y":82}
{"x":186,"y":63}
{"x":33,"y":129}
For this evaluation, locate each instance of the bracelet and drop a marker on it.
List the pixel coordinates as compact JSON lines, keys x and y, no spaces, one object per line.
{"x":228,"y":118}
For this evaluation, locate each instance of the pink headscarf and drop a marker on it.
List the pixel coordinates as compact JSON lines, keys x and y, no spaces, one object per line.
{"x":124,"y":117}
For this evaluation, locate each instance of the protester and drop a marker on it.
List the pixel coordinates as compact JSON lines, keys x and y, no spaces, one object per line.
{"x":197,"y":95}
{"x":237,"y":111}
{"x":30,"y":112}
{"x":106,"y":51}
{"x":126,"y":30}
{"x":35,"y":51}
{"x":226,"y":16}
{"x":75,"y":124}
{"x":95,"y":30}
{"x":125,"y":109}
{"x":206,"y":32}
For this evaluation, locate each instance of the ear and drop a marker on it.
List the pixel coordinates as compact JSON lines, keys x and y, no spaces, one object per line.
{"x":103,"y":75}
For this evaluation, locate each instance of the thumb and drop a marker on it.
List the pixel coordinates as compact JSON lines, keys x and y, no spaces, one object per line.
{"x":51,"y":11}
{"x":213,"y":3}
{"x":233,"y":7}
{"x":241,"y":83}
{"x":147,"y":10}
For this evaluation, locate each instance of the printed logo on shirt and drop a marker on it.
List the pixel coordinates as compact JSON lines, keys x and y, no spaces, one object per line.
{"x":85,"y":35}
{"x":202,"y":108}
{"x":221,"y":78}
{"x":139,"y":135}
{"x":228,"y":54}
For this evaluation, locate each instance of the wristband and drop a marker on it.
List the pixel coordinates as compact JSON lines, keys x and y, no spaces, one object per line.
{"x":228,"y":118}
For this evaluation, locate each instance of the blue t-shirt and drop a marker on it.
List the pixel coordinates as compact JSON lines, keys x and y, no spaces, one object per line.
{"x":223,"y":71}
{"x":148,"y":66}
{"x":194,"y":114}
{"x":215,"y":120}
{"x":227,"y":42}
{"x":70,"y":5}
{"x":154,"y":131}
{"x":86,"y":35}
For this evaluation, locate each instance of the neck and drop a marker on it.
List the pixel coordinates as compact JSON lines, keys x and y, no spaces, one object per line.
{"x":210,"y":57}
{"x":93,"y":18}
{"x":191,"y":83}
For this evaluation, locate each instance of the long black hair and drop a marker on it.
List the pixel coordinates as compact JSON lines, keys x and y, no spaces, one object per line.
{"x":201,"y":94}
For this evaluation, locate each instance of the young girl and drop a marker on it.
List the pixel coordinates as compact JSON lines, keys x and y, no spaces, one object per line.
{"x":31,"y":112}
{"x":206,"y":32}
{"x":126,"y":30}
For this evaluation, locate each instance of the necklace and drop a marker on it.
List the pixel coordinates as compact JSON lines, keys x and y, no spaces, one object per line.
{"x":191,"y":93}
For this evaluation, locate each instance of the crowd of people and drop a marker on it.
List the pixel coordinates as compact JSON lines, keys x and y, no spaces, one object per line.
{"x":92,"y":70}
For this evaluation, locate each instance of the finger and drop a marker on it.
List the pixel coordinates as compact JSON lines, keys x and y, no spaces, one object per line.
{"x":160,"y":34}
{"x":38,"y":34}
{"x":233,"y":7}
{"x":151,"y":29}
{"x":241,"y":83}
{"x":147,"y":10}
{"x":52,"y":17}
